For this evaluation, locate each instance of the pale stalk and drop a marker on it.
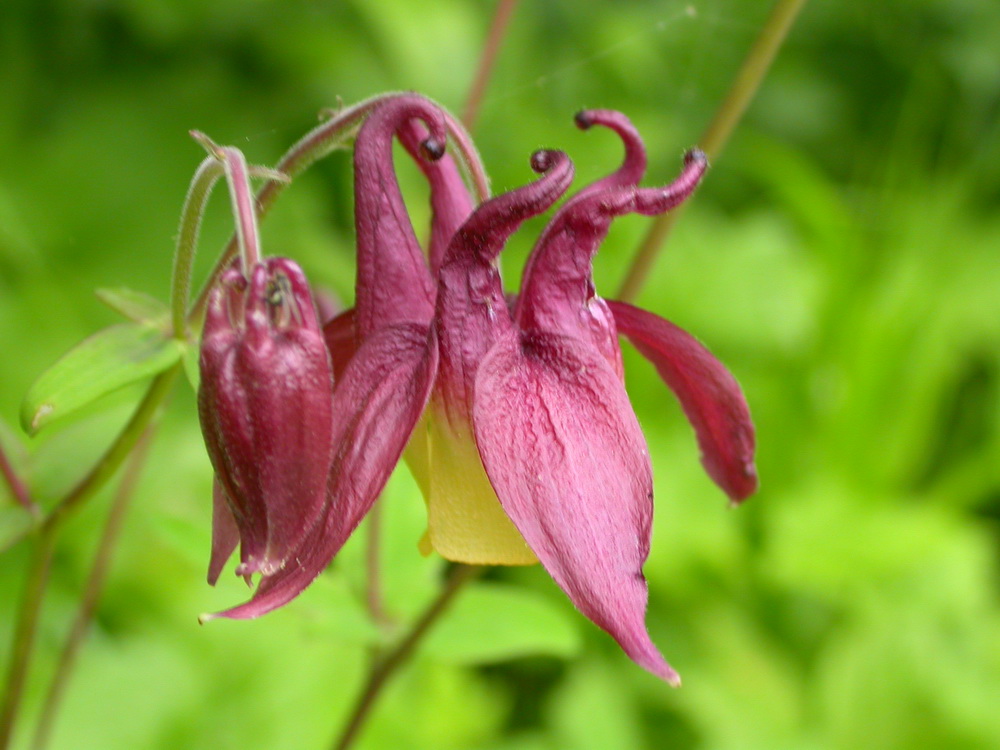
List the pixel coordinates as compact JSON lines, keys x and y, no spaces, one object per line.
{"x":498,"y":29}
{"x":713,"y":140}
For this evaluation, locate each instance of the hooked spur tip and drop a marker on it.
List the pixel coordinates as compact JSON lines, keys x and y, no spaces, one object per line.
{"x":432,"y":149}
{"x":583,"y":119}
{"x":695,"y":156}
{"x":543,"y":160}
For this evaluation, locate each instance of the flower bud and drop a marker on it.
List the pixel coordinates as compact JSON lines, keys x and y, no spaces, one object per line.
{"x":265,"y":404}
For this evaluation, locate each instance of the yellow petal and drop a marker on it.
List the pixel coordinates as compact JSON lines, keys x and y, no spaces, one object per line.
{"x":465,"y":521}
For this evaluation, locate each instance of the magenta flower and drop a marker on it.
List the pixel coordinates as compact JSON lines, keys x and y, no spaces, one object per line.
{"x":265,"y":401}
{"x":527,"y":448}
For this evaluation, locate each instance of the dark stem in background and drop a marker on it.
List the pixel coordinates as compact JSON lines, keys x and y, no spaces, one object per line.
{"x":713,"y":140}
{"x":24,"y":633}
{"x":92,"y":592}
{"x":498,"y":28}
{"x":386,"y":667}
{"x":17,"y":487}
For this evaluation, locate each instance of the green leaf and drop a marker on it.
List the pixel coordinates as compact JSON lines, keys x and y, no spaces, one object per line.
{"x":492,"y":622}
{"x":136,"y":306}
{"x":192,"y":370}
{"x":108,"y":360}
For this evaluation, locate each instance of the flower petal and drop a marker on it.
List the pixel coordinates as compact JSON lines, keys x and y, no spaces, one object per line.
{"x":394,"y":284}
{"x":558,"y":281}
{"x":471,"y":307}
{"x":709,"y":394}
{"x":564,"y":452}
{"x":465,"y":521}
{"x":377,"y":402}
{"x":225,"y":532}
{"x":451,"y":203}
{"x":341,"y":340}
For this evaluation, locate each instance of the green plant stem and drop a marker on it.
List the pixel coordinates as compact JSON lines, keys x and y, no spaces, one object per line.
{"x":384,"y":669}
{"x":498,"y":29}
{"x":24,"y":634}
{"x":314,"y":145}
{"x":126,"y":441}
{"x":713,"y":140}
{"x":17,"y":486}
{"x":205,"y":177}
{"x":92,"y":591}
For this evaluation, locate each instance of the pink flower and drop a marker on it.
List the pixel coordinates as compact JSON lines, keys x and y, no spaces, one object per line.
{"x":520,"y":431}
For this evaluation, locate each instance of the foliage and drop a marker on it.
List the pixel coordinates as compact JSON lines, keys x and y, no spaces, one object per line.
{"x":842,"y":258}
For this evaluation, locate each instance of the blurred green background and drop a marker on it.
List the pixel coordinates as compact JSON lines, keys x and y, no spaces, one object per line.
{"x":842,"y":257}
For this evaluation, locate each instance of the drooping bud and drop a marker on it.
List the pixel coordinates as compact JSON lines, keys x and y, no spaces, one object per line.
{"x":265,"y":404}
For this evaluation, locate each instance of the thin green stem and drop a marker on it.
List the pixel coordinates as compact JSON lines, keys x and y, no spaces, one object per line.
{"x":314,"y":145}
{"x":384,"y":669}
{"x":498,"y":29}
{"x":92,"y":592}
{"x":119,"y":450}
{"x":325,"y":138}
{"x":24,"y":634}
{"x":713,"y":140}
{"x":202,"y":183}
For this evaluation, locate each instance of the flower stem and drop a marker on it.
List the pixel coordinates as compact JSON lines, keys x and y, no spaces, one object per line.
{"x":17,"y":486}
{"x":382,"y":670}
{"x":498,"y":28}
{"x":713,"y":140}
{"x":24,"y":634}
{"x":314,"y":145}
{"x":126,"y":441}
{"x":92,"y":592}
{"x":202,"y":183}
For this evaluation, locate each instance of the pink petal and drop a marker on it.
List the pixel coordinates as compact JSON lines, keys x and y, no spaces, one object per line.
{"x":558,"y":281}
{"x":225,"y":533}
{"x":341,"y":340}
{"x":471,"y":307}
{"x":394,"y":284}
{"x":451,"y":203}
{"x":564,"y":452}
{"x":709,"y":394}
{"x":378,"y":402}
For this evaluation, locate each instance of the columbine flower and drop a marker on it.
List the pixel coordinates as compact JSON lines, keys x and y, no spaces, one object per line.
{"x":265,"y":402}
{"x":530,"y":449}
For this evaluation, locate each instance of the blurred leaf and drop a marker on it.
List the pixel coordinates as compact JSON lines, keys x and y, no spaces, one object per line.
{"x":594,"y":710}
{"x":493,"y":622}
{"x":108,"y":360}
{"x":136,"y":306}
{"x":192,"y":370}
